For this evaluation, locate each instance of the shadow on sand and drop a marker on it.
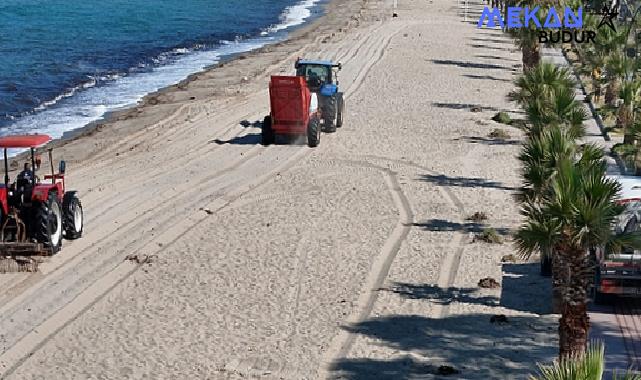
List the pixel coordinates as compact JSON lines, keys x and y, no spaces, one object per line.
{"x":441,"y":225}
{"x":441,"y":296}
{"x":457,"y":339}
{"x":474,"y":65}
{"x":487,"y":140}
{"x":486,"y":77}
{"x":496,"y":351}
{"x":443,"y":180}
{"x":249,"y":139}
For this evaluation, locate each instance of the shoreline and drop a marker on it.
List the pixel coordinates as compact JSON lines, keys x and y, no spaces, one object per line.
{"x":318,"y":11}
{"x":227,"y":82}
{"x":208,"y":255}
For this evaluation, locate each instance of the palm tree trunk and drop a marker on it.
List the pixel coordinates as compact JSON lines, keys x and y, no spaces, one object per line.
{"x":612,"y":91}
{"x":530,"y":56}
{"x":557,"y":284}
{"x":574,"y":322}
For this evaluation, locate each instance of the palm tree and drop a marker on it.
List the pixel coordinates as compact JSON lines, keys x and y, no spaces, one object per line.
{"x":589,"y":366}
{"x":618,"y":66}
{"x":527,"y":39}
{"x":540,"y":157}
{"x":540,"y":81}
{"x":546,"y":92}
{"x":629,"y":93}
{"x":576,"y":213}
{"x":560,"y":108}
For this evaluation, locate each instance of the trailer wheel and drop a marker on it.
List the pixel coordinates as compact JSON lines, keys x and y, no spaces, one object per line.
{"x":341,"y":110}
{"x":72,"y":216}
{"x":313,"y":133}
{"x":48,"y":223}
{"x":267,"y":133}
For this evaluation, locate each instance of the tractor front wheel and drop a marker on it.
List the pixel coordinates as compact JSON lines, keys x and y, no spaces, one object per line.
{"x":267,"y":133}
{"x":73,"y":217}
{"x":313,"y":133}
{"x":48,"y":223}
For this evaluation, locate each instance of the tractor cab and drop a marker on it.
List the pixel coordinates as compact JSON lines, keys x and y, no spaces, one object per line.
{"x":322,"y":79}
{"x":317,"y":73}
{"x":36,"y":213}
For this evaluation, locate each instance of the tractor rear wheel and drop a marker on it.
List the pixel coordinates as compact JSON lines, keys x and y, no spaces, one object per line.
{"x":330,"y":114}
{"x":72,"y":216}
{"x":48,"y":223}
{"x":341,"y":109}
{"x":313,"y":133}
{"x":267,"y":133}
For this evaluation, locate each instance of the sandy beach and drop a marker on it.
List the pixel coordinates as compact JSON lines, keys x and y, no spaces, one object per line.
{"x":353,"y":260}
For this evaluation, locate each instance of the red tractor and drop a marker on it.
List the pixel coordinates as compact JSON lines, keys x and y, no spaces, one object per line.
{"x":35,"y":214}
{"x":294,"y":111}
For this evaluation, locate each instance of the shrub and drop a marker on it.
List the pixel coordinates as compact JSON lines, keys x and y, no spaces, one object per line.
{"x":478,"y":216}
{"x":489,"y":235}
{"x":499,"y":134}
{"x":502,"y":118}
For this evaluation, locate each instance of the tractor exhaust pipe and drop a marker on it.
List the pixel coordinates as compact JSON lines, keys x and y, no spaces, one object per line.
{"x":6,"y":169}
{"x":33,"y":166}
{"x":53,"y":174}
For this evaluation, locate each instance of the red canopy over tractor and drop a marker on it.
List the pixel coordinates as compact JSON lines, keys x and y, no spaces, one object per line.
{"x":24,"y":141}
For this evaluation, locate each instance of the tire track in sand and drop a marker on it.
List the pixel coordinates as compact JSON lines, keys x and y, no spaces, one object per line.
{"x":34,"y":340}
{"x":15,"y":356}
{"x":342,"y":343}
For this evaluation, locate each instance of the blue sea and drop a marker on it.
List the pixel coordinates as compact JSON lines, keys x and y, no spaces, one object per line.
{"x":65,"y":63}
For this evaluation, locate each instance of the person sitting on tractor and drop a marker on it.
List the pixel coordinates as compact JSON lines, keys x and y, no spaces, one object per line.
{"x":25,"y":177}
{"x":25,"y":181}
{"x":314,"y":81}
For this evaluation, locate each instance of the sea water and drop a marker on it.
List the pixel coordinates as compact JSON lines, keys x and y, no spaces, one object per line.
{"x":65,"y":63}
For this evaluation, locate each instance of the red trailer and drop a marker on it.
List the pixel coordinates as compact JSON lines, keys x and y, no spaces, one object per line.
{"x":294,"y":111}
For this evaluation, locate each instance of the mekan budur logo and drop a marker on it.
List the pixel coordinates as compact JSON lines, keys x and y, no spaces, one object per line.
{"x":554,"y":29}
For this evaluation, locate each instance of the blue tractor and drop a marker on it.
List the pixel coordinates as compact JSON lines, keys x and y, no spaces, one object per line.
{"x":322,"y":79}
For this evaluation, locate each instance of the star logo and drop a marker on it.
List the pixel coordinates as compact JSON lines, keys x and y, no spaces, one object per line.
{"x":608,"y":18}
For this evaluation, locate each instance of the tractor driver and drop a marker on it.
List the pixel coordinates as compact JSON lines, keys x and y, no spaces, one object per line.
{"x":25,"y":178}
{"x":313,"y":80}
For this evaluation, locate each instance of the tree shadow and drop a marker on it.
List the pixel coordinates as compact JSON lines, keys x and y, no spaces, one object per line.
{"x":512,"y":348}
{"x":492,"y":40}
{"x":443,"y":180}
{"x":481,"y":46}
{"x":518,"y":283}
{"x":441,"y":296}
{"x":473,"y":65}
{"x":486,"y":77}
{"x":464,"y":106}
{"x":446,"y":225}
{"x":369,"y":369}
{"x":488,"y":140}
{"x":495,"y":57}
{"x":440,"y":225}
{"x":249,"y":139}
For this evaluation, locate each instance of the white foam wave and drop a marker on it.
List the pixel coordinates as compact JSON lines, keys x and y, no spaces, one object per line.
{"x":74,"y":109}
{"x":293,"y":15}
{"x":77,"y":109}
